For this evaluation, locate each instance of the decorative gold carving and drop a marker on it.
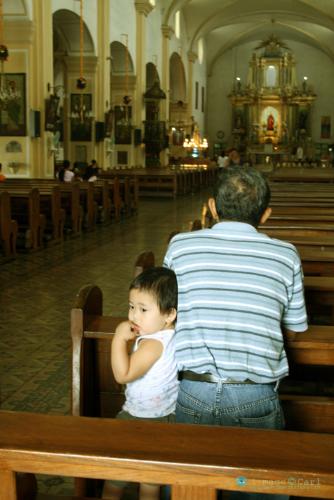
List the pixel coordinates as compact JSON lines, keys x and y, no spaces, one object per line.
{"x":143,"y":7}
{"x":192,"y":56}
{"x":167,"y":31}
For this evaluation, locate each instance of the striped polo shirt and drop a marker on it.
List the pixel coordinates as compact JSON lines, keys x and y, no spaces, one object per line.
{"x":237,"y":288}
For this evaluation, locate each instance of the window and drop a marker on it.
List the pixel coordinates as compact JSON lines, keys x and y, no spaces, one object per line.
{"x":177,"y":24}
{"x":271,"y":75}
{"x":196,"y":95}
{"x":200,"y":49}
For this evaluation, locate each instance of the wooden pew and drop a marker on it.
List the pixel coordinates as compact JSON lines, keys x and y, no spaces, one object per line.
{"x":61,"y":210}
{"x":91,"y":340}
{"x":70,"y":202}
{"x":25,"y":208}
{"x":50,"y":202}
{"x":113,"y":204}
{"x":168,"y":182}
{"x":88,"y":204}
{"x":194,"y":460}
{"x":319,"y":292}
{"x":8,"y":227}
{"x":302,"y":175}
{"x":103,"y":201}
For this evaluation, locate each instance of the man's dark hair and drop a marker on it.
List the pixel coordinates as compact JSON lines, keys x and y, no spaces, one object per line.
{"x":241,"y":194}
{"x":160,"y":282}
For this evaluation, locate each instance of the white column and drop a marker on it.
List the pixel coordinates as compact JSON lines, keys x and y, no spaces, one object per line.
{"x":102,"y":88}
{"x":143,"y":8}
{"x":191,"y":59}
{"x":42,"y":160}
{"x":164,"y":110}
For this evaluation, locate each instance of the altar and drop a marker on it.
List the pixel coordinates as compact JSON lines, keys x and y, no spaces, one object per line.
{"x":268,"y":155}
{"x":271,"y":112}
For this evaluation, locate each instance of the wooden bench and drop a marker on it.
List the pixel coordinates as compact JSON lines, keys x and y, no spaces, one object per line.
{"x":50,"y":206}
{"x":8,"y":227}
{"x":60,"y":203}
{"x":167,"y":182}
{"x":125,"y":198}
{"x":25,"y":209}
{"x":113,"y":203}
{"x":103,"y":201}
{"x":302,"y":175}
{"x":194,"y":460}
{"x":95,"y":393}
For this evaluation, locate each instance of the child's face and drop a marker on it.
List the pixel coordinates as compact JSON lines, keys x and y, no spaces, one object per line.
{"x":144,"y":313}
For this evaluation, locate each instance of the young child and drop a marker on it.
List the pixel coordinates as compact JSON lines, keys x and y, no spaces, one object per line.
{"x":150,"y":371}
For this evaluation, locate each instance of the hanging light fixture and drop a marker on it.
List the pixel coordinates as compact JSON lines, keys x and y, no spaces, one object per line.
{"x":80,"y":112}
{"x":81,"y":81}
{"x":126,"y":99}
{"x":8,"y":91}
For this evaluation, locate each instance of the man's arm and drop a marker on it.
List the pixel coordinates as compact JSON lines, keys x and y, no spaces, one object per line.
{"x":289,"y":335}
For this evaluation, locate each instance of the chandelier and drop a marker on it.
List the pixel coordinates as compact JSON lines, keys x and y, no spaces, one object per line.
{"x":195,"y":142}
{"x":8,"y":92}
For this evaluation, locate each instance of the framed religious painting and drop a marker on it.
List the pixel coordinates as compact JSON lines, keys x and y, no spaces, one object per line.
{"x":13,"y":113}
{"x":123,"y":127}
{"x":325,"y":127}
{"x":81,"y":117}
{"x":51,"y":108}
{"x":109,"y":122}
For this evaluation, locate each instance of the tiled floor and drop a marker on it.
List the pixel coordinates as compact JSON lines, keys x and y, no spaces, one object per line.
{"x":37,"y":292}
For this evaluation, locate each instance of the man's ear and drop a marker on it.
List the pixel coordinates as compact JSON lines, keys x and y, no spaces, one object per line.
{"x":265,"y":216}
{"x":213,"y":209}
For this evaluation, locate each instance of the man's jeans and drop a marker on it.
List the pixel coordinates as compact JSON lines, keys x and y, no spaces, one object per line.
{"x":242,"y":405}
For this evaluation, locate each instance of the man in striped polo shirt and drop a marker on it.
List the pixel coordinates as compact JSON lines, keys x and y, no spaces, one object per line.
{"x":237,"y":289}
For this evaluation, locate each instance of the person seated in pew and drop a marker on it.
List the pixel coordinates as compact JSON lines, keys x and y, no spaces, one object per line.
{"x":91,"y":172}
{"x":65,"y":173}
{"x":149,"y":371}
{"x":2,"y":176}
{"x":237,"y":289}
{"x":68,"y":172}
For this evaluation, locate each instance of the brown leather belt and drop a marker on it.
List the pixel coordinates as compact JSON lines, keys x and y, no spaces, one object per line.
{"x":208,"y":377}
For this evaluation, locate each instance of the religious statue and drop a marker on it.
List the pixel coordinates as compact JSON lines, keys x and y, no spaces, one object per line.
{"x":270,"y":122}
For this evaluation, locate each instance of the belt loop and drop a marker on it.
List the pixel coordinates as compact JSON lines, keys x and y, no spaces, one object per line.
{"x":277,"y":385}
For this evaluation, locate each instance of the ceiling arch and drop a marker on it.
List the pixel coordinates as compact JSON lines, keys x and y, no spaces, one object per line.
{"x":177,"y":79}
{"x":121,"y":60}
{"x":252,"y":33}
{"x":66,"y":30}
{"x":227,"y":23}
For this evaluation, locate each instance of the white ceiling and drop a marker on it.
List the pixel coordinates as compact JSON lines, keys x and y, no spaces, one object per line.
{"x":228,"y":23}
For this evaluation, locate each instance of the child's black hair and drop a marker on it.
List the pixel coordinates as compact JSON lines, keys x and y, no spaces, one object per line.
{"x":160,"y":282}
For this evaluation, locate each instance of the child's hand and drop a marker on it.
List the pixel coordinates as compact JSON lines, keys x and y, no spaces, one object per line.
{"x":125,"y":331}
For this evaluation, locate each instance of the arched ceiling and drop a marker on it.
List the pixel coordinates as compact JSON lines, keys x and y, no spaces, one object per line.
{"x":121,"y":61}
{"x":66,"y":29}
{"x":228,"y":23}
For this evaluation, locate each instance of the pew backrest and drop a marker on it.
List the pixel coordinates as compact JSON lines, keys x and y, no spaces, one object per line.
{"x":194,"y":460}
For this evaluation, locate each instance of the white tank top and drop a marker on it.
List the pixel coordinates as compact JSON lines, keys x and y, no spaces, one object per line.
{"x":155,"y":393}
